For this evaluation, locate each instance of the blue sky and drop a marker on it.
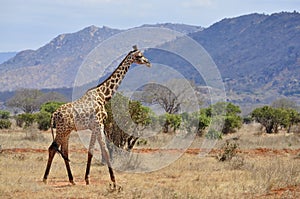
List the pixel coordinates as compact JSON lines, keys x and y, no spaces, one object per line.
{"x":30,"y":24}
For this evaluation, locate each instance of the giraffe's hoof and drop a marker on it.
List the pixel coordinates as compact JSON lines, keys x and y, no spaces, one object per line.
{"x":87,"y":182}
{"x":45,"y":180}
{"x":113,"y":187}
{"x":72,"y":182}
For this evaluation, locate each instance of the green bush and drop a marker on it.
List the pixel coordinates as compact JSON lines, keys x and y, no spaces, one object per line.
{"x":25,"y":120}
{"x":50,"y":107}
{"x":5,"y":124}
{"x":229,"y":113}
{"x":198,"y":120}
{"x":231,"y":123}
{"x":43,"y":120}
{"x":169,"y":121}
{"x":4,"y":114}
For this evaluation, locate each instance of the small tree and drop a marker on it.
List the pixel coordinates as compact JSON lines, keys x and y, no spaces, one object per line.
{"x":199,"y":120}
{"x":125,"y":116}
{"x":158,"y":94}
{"x":25,"y":120}
{"x":227,"y":112}
{"x":43,"y":120}
{"x":28,"y":100}
{"x":294,"y":118}
{"x":271,"y":118}
{"x":5,"y":124}
{"x":170,"y":121}
{"x":4,"y":114}
{"x":4,"y":120}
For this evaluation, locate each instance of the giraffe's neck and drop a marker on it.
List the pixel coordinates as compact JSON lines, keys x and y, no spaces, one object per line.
{"x":111,"y":84}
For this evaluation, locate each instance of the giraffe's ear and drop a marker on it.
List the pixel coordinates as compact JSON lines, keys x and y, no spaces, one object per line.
{"x":134,"y":47}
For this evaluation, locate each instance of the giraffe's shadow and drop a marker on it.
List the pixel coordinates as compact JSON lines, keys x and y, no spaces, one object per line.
{"x":60,"y":184}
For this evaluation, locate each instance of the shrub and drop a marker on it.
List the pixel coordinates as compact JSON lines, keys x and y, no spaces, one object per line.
{"x":125,"y":116}
{"x":229,"y":150}
{"x":198,"y":120}
{"x":230,"y":113}
{"x":231,"y":123}
{"x":170,"y":121}
{"x":50,"y":107}
{"x":43,"y":120}
{"x":26,"y":118}
{"x":4,"y":114}
{"x":5,"y":124}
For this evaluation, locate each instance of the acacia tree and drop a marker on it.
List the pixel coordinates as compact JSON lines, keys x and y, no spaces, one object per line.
{"x":159,"y":94}
{"x":30,"y":100}
{"x":173,"y":96}
{"x":271,"y":118}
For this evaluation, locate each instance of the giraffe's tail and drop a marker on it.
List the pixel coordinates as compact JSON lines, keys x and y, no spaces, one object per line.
{"x":55,"y":146}
{"x":52,"y":125}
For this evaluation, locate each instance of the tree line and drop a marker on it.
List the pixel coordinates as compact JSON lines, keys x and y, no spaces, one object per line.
{"x":135,"y":117}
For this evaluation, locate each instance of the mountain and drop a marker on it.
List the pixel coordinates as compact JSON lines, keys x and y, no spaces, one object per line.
{"x":257,"y":55}
{"x":55,"y":65}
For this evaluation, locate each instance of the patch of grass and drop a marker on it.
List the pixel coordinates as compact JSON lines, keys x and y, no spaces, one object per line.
{"x":244,"y":176}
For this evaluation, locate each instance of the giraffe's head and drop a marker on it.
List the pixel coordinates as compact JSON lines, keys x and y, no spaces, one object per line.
{"x":138,"y":57}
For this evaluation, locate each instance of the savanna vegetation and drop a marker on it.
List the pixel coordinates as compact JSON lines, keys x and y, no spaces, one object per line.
{"x":256,"y":156}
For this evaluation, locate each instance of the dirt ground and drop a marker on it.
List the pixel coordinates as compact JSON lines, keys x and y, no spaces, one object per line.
{"x":265,"y":166}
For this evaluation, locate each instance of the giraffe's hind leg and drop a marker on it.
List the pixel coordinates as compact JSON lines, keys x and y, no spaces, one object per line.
{"x":64,"y":150}
{"x":52,"y":150}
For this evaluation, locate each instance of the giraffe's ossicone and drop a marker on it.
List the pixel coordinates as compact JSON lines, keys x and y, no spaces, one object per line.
{"x":88,"y":112}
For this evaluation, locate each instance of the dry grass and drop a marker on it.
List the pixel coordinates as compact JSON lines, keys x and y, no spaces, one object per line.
{"x":249,"y":175}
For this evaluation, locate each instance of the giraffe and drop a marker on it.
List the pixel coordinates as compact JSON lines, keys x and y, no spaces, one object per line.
{"x":88,"y":112}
